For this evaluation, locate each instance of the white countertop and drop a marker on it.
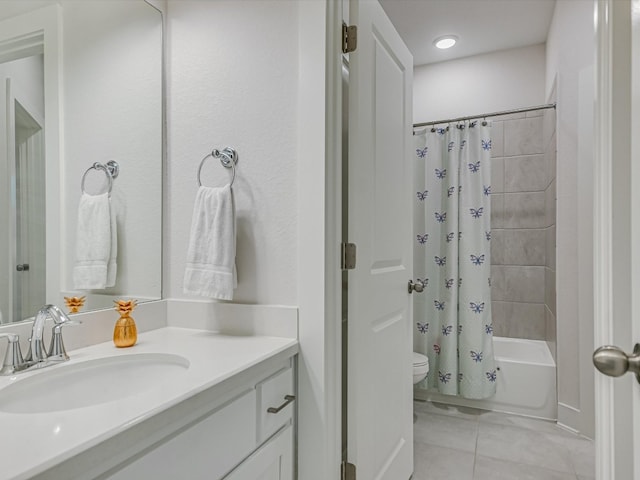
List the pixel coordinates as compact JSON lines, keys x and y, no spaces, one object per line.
{"x":32,"y":443}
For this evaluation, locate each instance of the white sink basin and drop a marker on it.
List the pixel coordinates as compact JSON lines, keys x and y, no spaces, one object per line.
{"x":70,"y":386}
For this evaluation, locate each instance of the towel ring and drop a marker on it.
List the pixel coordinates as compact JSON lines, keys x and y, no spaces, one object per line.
{"x":228,"y":158}
{"x":111,"y":170}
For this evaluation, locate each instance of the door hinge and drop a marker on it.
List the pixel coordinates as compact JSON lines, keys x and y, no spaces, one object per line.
{"x":347,"y":471}
{"x":348,"y":256}
{"x":349,"y":38}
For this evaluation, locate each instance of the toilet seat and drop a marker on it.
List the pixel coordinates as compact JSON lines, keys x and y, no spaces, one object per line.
{"x":420,"y":367}
{"x":419,"y":359}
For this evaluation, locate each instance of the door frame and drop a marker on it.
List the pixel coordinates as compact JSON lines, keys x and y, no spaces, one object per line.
{"x":319,"y":237}
{"x":614,"y":263}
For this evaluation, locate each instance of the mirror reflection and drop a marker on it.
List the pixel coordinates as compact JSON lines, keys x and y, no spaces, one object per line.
{"x":80,"y":90}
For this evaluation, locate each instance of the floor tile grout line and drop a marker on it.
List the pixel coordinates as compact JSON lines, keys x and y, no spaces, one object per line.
{"x":475,"y":452}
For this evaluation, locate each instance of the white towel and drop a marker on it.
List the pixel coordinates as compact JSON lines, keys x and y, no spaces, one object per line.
{"x":96,"y":244}
{"x":211,"y":257}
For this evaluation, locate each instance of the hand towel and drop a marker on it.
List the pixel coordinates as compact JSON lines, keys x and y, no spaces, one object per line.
{"x":211,"y":256}
{"x":96,"y":244}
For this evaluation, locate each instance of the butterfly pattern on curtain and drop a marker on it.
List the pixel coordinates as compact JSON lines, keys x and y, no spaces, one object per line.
{"x":452,"y":258}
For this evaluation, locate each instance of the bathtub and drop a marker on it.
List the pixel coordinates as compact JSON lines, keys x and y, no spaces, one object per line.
{"x":526,"y":381}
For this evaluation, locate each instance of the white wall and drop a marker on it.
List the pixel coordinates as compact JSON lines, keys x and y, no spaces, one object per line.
{"x":233,"y":72}
{"x":27,"y":78}
{"x":112,"y":109}
{"x":570,"y":60}
{"x":480,"y":84}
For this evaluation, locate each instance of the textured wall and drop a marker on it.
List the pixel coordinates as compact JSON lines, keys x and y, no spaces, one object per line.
{"x":233,"y":72}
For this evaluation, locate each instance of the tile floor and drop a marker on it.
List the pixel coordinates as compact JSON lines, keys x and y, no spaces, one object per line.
{"x":457,"y":443}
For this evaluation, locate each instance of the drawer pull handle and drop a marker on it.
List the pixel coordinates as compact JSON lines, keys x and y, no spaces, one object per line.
{"x":287,"y":400}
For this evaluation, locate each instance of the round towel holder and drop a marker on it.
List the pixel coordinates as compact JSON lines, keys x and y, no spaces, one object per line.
{"x":113,"y":168}
{"x":228,"y":158}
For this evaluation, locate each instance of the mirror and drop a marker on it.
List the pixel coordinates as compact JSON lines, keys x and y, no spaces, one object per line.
{"x":80,"y":85}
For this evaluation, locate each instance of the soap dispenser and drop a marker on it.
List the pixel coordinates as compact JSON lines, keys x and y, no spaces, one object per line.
{"x":125,"y":333}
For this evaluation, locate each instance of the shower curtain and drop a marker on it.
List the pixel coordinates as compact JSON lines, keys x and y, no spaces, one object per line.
{"x":452,"y":258}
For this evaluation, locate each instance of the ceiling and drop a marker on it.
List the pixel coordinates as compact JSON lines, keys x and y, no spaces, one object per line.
{"x":481,"y":26}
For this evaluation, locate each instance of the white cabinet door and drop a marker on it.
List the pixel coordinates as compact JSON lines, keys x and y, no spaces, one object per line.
{"x":272,"y":461}
{"x":379,"y":404}
{"x":205,"y":451}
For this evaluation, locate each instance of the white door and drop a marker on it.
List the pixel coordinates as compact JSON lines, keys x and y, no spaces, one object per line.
{"x":22,"y":247}
{"x":379,"y":364}
{"x":617,"y":234}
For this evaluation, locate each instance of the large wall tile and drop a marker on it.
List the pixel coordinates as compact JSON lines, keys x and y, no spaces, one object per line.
{"x":551,"y":155}
{"x":510,"y":116}
{"x":499,"y":319}
{"x":497,"y":211}
{"x":550,"y":200}
{"x":550,"y":247}
{"x":551,"y":329}
{"x":550,"y":289}
{"x":522,"y":247}
{"x":523,"y":136}
{"x":497,"y":175}
{"x":524,"y":210}
{"x":498,"y":285}
{"x":525,"y":174}
{"x":548,"y":126}
{"x":524,"y":284}
{"x":497,"y":246}
{"x":520,"y":320}
{"x":497,"y":139}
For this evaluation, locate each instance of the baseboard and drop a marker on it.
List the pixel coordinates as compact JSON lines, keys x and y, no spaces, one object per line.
{"x":568,"y":417}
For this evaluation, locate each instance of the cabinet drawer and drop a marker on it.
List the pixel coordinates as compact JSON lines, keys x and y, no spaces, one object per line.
{"x":207,"y":450}
{"x":271,"y":394}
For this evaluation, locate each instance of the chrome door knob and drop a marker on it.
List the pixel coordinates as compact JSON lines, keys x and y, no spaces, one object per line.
{"x":416,"y":287}
{"x":614,"y":362}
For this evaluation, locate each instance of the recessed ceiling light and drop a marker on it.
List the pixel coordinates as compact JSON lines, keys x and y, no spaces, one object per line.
{"x":446,"y":41}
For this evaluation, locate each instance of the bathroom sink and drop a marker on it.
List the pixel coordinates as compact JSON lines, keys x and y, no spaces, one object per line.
{"x":78,"y":385}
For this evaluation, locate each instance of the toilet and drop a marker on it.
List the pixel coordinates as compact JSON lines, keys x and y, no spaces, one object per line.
{"x":420,"y":367}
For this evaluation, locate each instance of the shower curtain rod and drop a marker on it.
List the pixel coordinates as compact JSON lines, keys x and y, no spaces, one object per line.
{"x":494,"y":114}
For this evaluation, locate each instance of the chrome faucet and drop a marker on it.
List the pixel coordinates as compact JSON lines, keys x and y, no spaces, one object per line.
{"x":37,"y":356}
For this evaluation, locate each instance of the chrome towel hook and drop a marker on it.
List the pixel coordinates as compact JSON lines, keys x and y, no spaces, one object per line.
{"x":228,"y":158}
{"x":111,"y":170}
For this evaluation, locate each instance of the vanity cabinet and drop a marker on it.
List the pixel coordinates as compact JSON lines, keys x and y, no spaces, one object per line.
{"x":237,"y":440}
{"x":272,"y":461}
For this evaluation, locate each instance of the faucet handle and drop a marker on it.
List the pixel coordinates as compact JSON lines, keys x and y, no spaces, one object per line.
{"x":56,"y":347}
{"x":13,"y":355}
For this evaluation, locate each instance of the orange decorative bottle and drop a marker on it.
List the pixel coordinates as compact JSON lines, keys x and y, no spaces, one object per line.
{"x":125,"y":333}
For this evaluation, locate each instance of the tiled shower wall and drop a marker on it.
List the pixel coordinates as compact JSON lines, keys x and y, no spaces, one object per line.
{"x":523,"y":225}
